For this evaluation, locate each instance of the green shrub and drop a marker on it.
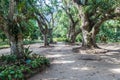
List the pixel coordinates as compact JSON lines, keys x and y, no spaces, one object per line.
{"x":8,"y":58}
{"x":16,"y":69}
{"x":14,"y":72}
{"x":27,"y":53}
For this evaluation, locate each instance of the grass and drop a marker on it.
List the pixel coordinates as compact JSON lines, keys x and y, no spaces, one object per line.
{"x":5,"y":44}
{"x":26,"y":42}
{"x":59,"y":39}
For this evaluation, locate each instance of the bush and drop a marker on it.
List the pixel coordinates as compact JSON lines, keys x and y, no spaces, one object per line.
{"x":13,"y":72}
{"x":8,"y":58}
{"x":16,"y":69}
{"x":59,"y":39}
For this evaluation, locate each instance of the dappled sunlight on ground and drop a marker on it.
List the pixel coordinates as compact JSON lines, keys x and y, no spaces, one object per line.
{"x":82,"y":68}
{"x":116,"y":70}
{"x":68,"y":65}
{"x":62,"y":62}
{"x":55,"y":56}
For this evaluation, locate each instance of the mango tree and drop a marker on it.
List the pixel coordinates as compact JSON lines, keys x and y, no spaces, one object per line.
{"x":11,"y":17}
{"x":44,"y":15}
{"x":93,"y":13}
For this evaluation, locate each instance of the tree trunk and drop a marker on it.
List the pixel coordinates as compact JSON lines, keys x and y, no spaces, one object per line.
{"x":71,"y":37}
{"x":11,"y":31}
{"x":74,"y":35}
{"x":50,"y":35}
{"x":45,"y":40}
{"x":51,"y":39}
{"x":16,"y":45}
{"x":88,"y":31}
{"x":72,"y":32}
{"x":89,"y":40}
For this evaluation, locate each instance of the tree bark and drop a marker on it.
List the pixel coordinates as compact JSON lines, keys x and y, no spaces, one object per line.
{"x":8,"y":26}
{"x":90,"y":26}
{"x":16,"y":44}
{"x":88,"y":32}
{"x":45,"y":40}
{"x":72,"y":38}
{"x":50,"y":35}
{"x":43,"y":28}
{"x":73,"y":32}
{"x":88,"y":40}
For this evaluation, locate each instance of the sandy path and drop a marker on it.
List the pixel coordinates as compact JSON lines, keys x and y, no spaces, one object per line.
{"x":67,"y":65}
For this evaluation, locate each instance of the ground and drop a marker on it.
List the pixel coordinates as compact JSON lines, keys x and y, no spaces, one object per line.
{"x":69,"y":65}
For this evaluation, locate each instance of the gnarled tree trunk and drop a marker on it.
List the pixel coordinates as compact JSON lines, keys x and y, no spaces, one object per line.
{"x":72,"y":33}
{"x":89,"y":39}
{"x":92,"y":20}
{"x":16,"y":44}
{"x":72,"y":36}
{"x":89,"y":31}
{"x":9,"y":28}
{"x":14,"y":35}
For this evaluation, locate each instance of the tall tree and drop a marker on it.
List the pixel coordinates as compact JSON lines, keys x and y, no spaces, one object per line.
{"x":44,"y":15}
{"x":11,"y":18}
{"x":72,"y":13}
{"x":93,"y":13}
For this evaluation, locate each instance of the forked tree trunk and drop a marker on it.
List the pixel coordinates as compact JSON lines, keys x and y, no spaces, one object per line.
{"x":73,"y":32}
{"x":88,"y":40}
{"x":88,"y":32}
{"x":73,"y":37}
{"x":44,"y":30}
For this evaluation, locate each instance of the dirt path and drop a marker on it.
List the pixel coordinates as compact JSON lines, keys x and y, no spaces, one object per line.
{"x":67,"y":65}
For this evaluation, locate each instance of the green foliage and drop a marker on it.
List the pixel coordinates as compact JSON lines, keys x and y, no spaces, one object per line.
{"x":8,"y":58}
{"x":110,"y":32}
{"x":10,"y":69}
{"x":79,"y":38}
{"x":26,"y":42}
{"x":31,"y":30}
{"x":4,"y":44}
{"x":13,"y":68}
{"x":59,"y":39}
{"x":13,"y":72}
{"x":27,"y":52}
{"x":2,"y":36}
{"x":39,"y":60}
